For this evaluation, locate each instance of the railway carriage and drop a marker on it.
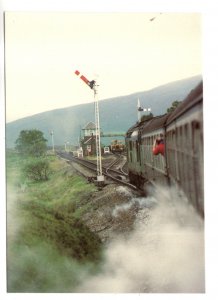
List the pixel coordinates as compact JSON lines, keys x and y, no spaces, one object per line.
{"x":182,"y":164}
{"x":142,"y":164}
{"x":184,"y":147}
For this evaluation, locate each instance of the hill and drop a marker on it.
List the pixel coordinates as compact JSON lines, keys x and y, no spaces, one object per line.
{"x":116,"y":114}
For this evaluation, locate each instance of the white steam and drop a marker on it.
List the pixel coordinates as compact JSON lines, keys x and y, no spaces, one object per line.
{"x":140,"y":203}
{"x":165,"y":253}
{"x":14,"y":221}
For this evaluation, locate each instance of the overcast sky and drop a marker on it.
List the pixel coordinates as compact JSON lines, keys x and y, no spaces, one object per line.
{"x":126,"y":52}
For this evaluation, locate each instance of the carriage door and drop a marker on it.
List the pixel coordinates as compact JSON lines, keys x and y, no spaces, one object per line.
{"x":197,"y":147}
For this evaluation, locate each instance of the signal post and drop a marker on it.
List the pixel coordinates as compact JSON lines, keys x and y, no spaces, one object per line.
{"x":93,"y":85}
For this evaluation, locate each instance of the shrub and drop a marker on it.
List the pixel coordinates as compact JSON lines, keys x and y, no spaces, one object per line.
{"x":37,"y":169}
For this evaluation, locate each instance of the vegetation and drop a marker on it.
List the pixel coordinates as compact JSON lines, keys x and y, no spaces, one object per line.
{"x":31,"y":142}
{"x":49,"y":247}
{"x":37,"y":169}
{"x":147,"y":117}
{"x":173,"y":106}
{"x":31,"y":145}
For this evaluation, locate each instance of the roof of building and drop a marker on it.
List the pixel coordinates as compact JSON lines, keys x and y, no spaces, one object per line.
{"x":89,"y":125}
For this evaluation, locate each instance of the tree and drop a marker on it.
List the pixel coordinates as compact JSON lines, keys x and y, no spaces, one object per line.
{"x":173,"y":106}
{"x":31,"y":143}
{"x":147,"y":117}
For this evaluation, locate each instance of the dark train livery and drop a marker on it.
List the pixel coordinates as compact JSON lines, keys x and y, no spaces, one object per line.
{"x":182,"y":163}
{"x":117,"y":146}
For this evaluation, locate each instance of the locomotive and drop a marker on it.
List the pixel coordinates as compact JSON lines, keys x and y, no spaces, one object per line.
{"x":117,"y":146}
{"x":182,"y":162}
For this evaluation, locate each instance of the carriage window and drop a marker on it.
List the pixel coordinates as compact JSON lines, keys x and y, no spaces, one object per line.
{"x":195,"y":125}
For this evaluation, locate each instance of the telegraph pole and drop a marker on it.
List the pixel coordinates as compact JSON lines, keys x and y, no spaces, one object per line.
{"x":93,"y":85}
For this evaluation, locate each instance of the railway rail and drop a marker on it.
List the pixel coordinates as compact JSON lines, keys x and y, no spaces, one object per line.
{"x":118,"y":165}
{"x":116,"y":175}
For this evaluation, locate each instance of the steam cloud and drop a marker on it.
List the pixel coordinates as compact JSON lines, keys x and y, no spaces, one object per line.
{"x":165,"y":253}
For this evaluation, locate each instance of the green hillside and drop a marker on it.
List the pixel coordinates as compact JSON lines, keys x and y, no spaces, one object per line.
{"x":116,"y":114}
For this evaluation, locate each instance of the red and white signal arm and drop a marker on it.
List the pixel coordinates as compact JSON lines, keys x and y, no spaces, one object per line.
{"x":82,"y":77}
{"x":91,"y":83}
{"x":89,"y":148}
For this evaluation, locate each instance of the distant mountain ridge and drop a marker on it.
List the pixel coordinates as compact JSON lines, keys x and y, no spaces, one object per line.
{"x":116,"y":114}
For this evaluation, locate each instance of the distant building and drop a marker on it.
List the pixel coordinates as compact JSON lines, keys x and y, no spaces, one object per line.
{"x":89,"y":129}
{"x":88,"y":142}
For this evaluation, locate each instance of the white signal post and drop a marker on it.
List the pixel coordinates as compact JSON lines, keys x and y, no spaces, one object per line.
{"x":92,"y":84}
{"x":100,"y":176}
{"x":65,"y":146}
{"x":52,"y":139}
{"x":139,"y":114}
{"x":139,"y":108}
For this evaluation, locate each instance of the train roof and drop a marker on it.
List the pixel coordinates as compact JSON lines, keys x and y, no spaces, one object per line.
{"x":131,"y":129}
{"x":148,"y":125}
{"x":195,"y":96}
{"x":155,"y":123}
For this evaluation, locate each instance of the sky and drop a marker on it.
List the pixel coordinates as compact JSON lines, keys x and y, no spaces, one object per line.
{"x":125,"y":52}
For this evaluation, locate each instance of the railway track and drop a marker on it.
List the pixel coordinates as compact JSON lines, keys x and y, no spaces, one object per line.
{"x":112,"y":171}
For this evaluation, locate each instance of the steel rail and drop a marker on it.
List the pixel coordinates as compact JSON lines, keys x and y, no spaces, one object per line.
{"x":93,"y":167}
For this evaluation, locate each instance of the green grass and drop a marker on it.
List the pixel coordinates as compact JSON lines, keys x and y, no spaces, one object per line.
{"x":45,"y":231}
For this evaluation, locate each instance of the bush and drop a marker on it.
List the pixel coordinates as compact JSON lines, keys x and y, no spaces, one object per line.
{"x":37,"y":169}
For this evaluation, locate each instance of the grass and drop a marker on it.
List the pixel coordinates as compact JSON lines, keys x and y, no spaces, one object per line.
{"x":45,"y":231}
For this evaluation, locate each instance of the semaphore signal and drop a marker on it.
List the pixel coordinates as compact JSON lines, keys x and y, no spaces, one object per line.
{"x":92,"y":84}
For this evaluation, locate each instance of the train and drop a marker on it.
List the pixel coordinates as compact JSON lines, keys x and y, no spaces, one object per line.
{"x":182,"y":162}
{"x":117,"y":146}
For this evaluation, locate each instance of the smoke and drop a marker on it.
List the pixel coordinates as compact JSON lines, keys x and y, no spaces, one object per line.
{"x":164,"y":254}
{"x":42,"y":269}
{"x":138,"y":203}
{"x":14,"y":221}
